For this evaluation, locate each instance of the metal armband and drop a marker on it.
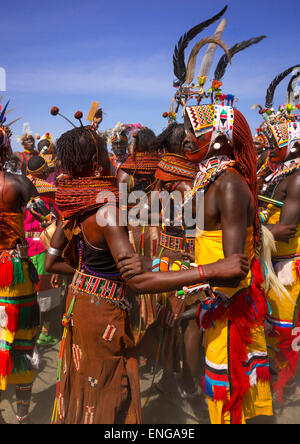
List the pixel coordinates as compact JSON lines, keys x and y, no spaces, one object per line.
{"x":55,"y":252}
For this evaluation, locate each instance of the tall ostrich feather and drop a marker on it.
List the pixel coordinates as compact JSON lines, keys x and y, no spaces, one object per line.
{"x":209,"y":55}
{"x":193,"y":56}
{"x":223,"y":62}
{"x":273,"y":85}
{"x":178,"y":56}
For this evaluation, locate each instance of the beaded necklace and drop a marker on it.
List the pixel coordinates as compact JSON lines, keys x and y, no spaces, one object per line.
{"x":210,"y":170}
{"x":283,"y":171}
{"x":174,"y":167}
{"x":266,"y":167}
{"x":143,"y":163}
{"x":75,"y":197}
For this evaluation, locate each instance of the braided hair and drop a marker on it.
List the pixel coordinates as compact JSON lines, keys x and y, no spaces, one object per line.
{"x":174,"y":134}
{"x":145,"y":139}
{"x":77,"y":148}
{"x":245,"y":156}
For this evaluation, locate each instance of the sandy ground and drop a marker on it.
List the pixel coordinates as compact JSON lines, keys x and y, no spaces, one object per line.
{"x":162,"y":408}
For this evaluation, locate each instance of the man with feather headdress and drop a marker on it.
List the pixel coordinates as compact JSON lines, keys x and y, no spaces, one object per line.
{"x":119,"y":139}
{"x":218,"y":136}
{"x":282,"y":216}
{"x":29,"y":150}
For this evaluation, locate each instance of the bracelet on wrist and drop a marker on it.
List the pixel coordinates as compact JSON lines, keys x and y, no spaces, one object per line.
{"x":201,"y":273}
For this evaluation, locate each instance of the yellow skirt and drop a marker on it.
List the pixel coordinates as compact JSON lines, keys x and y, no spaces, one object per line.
{"x":237,"y":377}
{"x":258,"y":400}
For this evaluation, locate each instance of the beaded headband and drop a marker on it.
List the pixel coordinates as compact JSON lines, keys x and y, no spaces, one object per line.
{"x":280,"y":132}
{"x":216,"y":118}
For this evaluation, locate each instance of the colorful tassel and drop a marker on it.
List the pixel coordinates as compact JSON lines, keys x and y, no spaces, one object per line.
{"x":220,"y":393}
{"x":263,"y":373}
{"x":12,"y":312}
{"x":248,"y":309}
{"x":297,"y":267}
{"x":6,"y":364}
{"x":6,"y":270}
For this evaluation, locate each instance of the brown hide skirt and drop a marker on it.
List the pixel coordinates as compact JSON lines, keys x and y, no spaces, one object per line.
{"x":99,"y":373}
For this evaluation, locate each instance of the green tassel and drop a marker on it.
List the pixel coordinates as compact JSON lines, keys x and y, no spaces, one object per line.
{"x":33,"y":274}
{"x":21,"y":363}
{"x":18,"y":271}
{"x":29,"y":317}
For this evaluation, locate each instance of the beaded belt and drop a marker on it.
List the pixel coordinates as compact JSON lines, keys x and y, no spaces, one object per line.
{"x":176,"y":243}
{"x":171,"y":242}
{"x":99,"y":288}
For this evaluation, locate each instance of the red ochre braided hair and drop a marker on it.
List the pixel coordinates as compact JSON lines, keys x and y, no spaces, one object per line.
{"x":244,"y":155}
{"x":77,"y":148}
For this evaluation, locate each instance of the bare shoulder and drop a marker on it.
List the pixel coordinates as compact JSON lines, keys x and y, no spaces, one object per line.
{"x":295,"y":177}
{"x":183,"y":186}
{"x":106,"y":217}
{"x":22,"y":181}
{"x":233,"y":183}
{"x":293,"y":184}
{"x":14,"y":180}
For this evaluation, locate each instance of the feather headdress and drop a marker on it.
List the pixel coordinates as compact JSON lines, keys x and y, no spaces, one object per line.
{"x":179,"y":51}
{"x":223,"y":62}
{"x":185,"y":73}
{"x":275,"y":82}
{"x":122,"y":129}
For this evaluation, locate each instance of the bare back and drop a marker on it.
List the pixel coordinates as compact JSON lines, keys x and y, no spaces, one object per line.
{"x":15,"y":192}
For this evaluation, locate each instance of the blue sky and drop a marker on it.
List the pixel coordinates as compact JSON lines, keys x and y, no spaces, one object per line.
{"x":70,"y":53}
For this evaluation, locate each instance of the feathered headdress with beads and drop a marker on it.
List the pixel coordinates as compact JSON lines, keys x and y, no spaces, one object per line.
{"x":186,"y":89}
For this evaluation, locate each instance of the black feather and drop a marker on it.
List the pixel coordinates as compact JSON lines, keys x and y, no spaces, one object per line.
{"x":178,"y":56}
{"x":290,"y":85}
{"x":273,"y":85}
{"x":223,"y":62}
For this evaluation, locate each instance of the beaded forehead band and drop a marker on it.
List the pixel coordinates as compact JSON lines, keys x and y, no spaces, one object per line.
{"x":286,"y":135}
{"x":280,"y":132}
{"x":216,"y":118}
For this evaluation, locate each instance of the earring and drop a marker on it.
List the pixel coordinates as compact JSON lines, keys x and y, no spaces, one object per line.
{"x":217,"y":146}
{"x":98,"y":172}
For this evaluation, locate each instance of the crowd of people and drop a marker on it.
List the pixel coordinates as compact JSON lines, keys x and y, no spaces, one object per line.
{"x":212,"y":300}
